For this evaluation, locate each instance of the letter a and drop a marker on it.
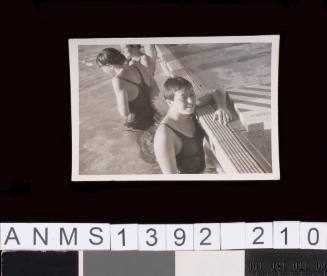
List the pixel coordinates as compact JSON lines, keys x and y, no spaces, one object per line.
{"x":9,"y":237}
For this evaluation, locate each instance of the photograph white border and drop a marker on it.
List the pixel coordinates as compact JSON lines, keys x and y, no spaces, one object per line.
{"x":74,"y":81}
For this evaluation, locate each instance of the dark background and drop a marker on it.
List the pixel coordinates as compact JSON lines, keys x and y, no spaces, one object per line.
{"x":35,"y":133}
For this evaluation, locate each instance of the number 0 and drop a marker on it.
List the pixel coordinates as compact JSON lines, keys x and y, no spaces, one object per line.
{"x":317,"y":236}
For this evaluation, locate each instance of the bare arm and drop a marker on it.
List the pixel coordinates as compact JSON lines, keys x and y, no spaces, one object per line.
{"x":149,"y":63}
{"x":219,"y":97}
{"x":216,"y":96}
{"x":145,"y":62}
{"x":121,"y":98}
{"x":154,"y":87}
{"x":164,"y":150}
{"x":222,"y":114}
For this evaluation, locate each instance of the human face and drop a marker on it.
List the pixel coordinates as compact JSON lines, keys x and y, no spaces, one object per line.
{"x":184,"y":101}
{"x":107,"y":68}
{"x":127,"y":51}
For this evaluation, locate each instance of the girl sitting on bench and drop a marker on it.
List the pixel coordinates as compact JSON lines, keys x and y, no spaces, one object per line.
{"x":179,"y":139}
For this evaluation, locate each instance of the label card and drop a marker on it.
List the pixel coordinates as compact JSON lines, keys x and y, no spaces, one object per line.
{"x":313,"y":235}
{"x":206,"y":236}
{"x":55,"y":236}
{"x":259,"y":235}
{"x":286,"y":234}
{"x":179,"y":236}
{"x":233,"y":235}
{"x":124,"y":237}
{"x":152,"y":237}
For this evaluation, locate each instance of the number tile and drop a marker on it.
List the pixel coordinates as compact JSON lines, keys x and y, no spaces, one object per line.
{"x":179,"y":236}
{"x":207,"y":236}
{"x":124,"y":237}
{"x":313,"y":235}
{"x":152,"y":237}
{"x":286,"y":234}
{"x":232,"y":235}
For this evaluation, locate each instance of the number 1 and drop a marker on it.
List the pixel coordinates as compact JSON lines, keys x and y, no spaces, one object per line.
{"x":284,"y":231}
{"x":122,"y":232}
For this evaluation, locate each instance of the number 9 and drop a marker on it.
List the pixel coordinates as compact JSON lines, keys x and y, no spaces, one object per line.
{"x":179,"y":235}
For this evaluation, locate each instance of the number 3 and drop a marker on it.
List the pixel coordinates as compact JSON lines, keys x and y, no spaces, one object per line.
{"x":153,"y":235}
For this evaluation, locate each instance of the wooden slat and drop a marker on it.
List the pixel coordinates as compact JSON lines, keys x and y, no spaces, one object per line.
{"x":248,"y":99}
{"x":240,"y":106}
{"x":263,"y":87}
{"x":249,"y":93}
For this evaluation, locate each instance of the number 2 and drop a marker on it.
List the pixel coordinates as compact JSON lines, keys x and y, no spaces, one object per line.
{"x":205,"y":238}
{"x":260,"y":235}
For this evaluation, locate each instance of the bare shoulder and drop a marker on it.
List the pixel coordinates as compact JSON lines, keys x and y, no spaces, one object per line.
{"x":118,"y":84}
{"x":164,"y":134}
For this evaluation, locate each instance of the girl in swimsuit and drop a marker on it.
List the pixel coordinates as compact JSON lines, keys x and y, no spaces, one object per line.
{"x":178,"y":142}
{"x":133,"y":86}
{"x":134,"y":89}
{"x":134,"y":54}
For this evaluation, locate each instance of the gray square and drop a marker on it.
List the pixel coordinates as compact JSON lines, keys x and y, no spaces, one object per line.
{"x":132,"y":263}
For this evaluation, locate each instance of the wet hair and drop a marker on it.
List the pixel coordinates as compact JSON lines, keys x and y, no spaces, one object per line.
{"x":137,"y":46}
{"x":174,"y":84}
{"x":110,"y":56}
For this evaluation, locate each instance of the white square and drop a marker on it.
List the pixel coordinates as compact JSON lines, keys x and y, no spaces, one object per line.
{"x":259,"y":235}
{"x":232,"y":235}
{"x":206,"y":236}
{"x":210,"y":263}
{"x":313,"y":235}
{"x":286,"y":234}
{"x":124,"y":237}
{"x":179,"y":236}
{"x":152,"y":237}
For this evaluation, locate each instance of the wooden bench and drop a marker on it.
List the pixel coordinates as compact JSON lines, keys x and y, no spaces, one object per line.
{"x":234,"y":152}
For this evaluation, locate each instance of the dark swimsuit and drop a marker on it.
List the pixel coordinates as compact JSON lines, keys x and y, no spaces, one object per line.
{"x":141,"y":106}
{"x":191,"y":157}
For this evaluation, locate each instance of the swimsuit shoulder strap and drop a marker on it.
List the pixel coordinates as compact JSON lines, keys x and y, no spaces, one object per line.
{"x":139,"y":72}
{"x":127,"y":80}
{"x":179,"y":134}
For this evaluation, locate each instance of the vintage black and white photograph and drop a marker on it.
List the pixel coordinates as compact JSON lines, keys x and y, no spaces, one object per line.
{"x":185,"y":108}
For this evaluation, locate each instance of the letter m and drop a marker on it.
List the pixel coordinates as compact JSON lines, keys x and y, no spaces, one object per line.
{"x":63,"y":235}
